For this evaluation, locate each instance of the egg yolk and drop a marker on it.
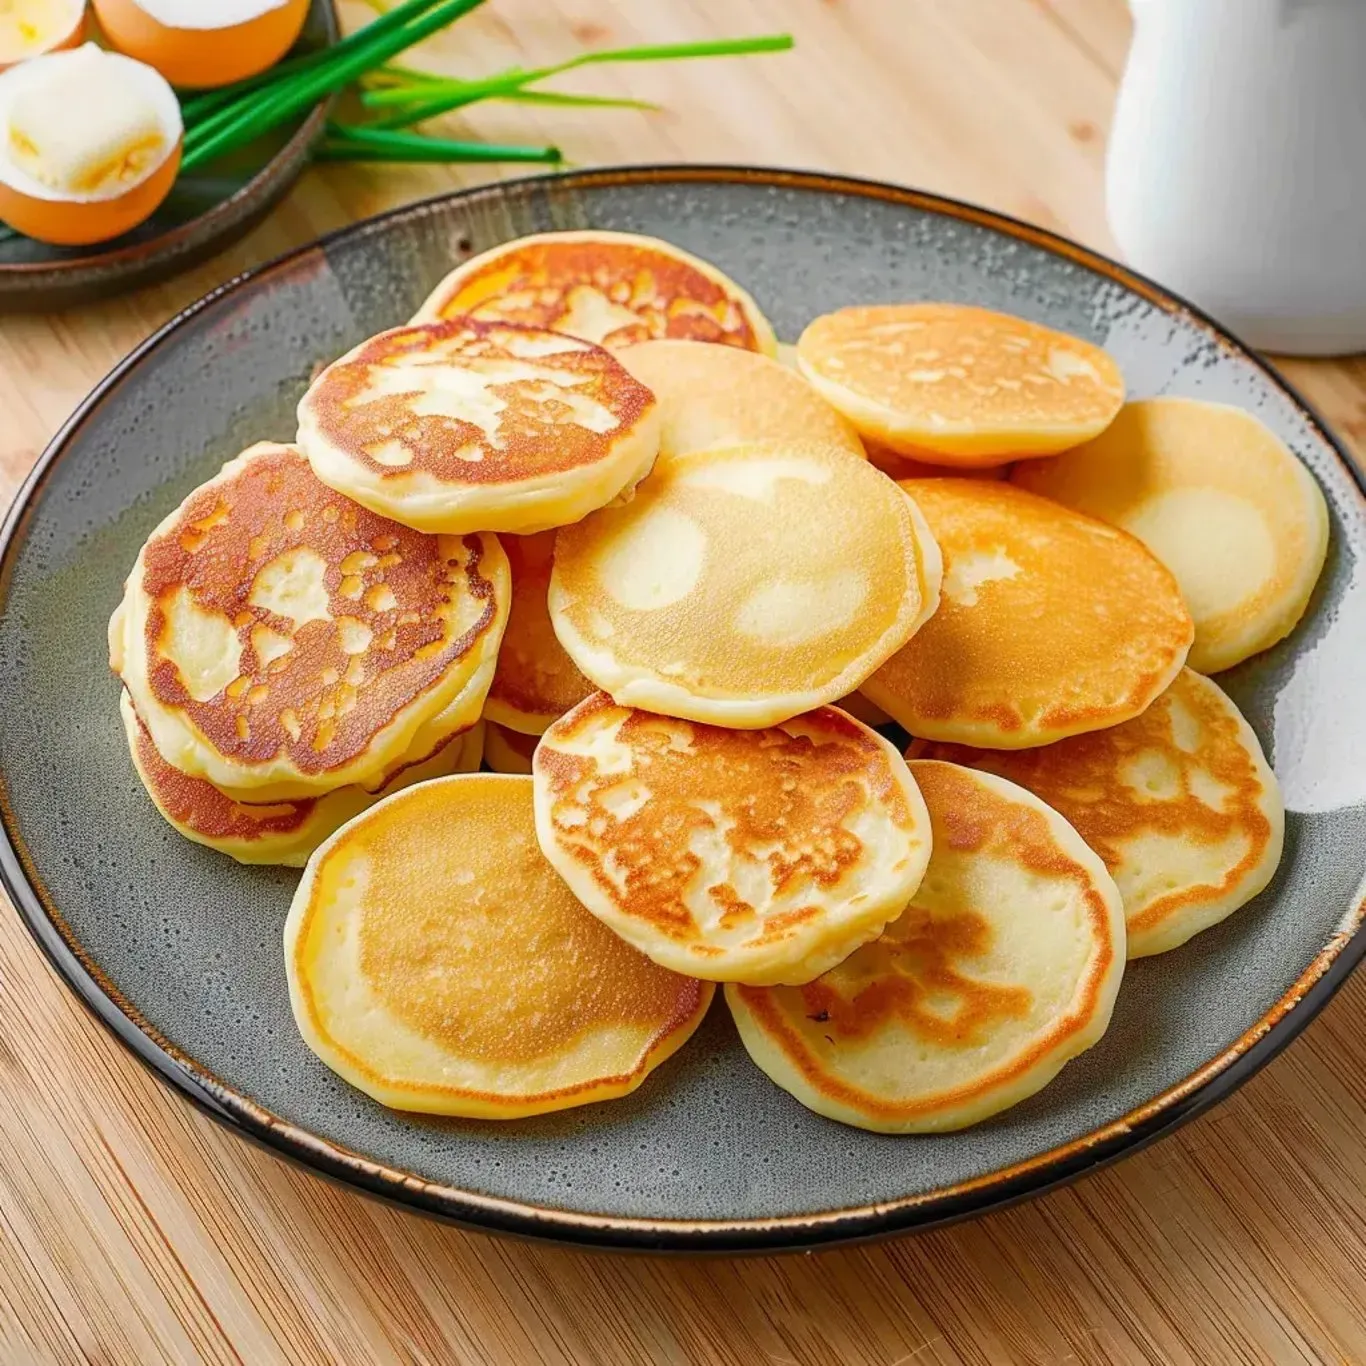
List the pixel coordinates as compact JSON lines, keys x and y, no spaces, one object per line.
{"x":31,"y":27}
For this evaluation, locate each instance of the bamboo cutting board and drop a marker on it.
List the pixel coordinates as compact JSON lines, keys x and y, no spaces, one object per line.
{"x":133,"y":1230}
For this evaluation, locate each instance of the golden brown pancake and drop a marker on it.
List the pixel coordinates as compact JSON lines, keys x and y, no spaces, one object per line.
{"x":743,"y":586}
{"x":1179,"y":802}
{"x":955,"y":385}
{"x":280,"y":641}
{"x":612,"y":288}
{"x":1005,"y":965}
{"x":436,"y":961}
{"x":1219,"y":500}
{"x":715,"y":396}
{"x":535,"y":680}
{"x":284,"y":832}
{"x":465,"y":426}
{"x":733,"y":855}
{"x":508,"y":751}
{"x":1049,"y":623}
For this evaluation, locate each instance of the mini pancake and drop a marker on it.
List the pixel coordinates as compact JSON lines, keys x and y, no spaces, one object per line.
{"x":1219,"y":500}
{"x":612,"y":288}
{"x":1049,"y":623}
{"x":954,"y":385}
{"x":535,"y":680}
{"x":465,"y":426}
{"x":508,"y":751}
{"x":737,"y":856}
{"x":1179,"y":802}
{"x":286,"y":832}
{"x":716,"y":396}
{"x":1003,"y":967}
{"x":744,"y":586}
{"x":437,"y":962}
{"x":280,"y":641}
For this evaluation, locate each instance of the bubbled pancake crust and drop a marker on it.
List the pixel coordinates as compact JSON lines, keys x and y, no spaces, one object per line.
{"x":334,"y":621}
{"x":438,"y":962}
{"x":1049,"y":623}
{"x":1004,"y":965}
{"x":535,"y":680}
{"x":957,"y":384}
{"x":734,"y":855}
{"x":743,"y":586}
{"x":471,"y":402}
{"x":611,"y":288}
{"x":1179,"y":803}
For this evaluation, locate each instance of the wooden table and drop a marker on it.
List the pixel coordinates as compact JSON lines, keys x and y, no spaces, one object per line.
{"x":134,"y":1231}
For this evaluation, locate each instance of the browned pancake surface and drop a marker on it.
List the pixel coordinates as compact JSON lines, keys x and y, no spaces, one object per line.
{"x":367,"y":636}
{"x":476,"y":402}
{"x":632,"y":291}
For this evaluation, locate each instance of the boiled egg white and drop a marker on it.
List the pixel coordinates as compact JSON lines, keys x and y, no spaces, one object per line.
{"x":28,"y":28}
{"x":89,"y":145}
{"x":201,"y":43}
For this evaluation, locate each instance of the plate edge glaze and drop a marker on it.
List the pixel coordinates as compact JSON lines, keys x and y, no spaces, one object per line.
{"x":1206,"y":1086}
{"x":29,"y":285}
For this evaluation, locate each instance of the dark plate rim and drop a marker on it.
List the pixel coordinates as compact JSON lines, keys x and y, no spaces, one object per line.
{"x":1206,"y":1086}
{"x":225,"y":213}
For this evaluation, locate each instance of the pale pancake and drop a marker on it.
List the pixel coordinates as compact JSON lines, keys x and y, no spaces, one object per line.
{"x":613,"y":288}
{"x":1003,"y":967}
{"x":1049,"y":623}
{"x":286,"y":832}
{"x":716,"y":396}
{"x":466,"y":426}
{"x":744,"y":586}
{"x":508,"y":751}
{"x":955,"y":385}
{"x":535,"y":680}
{"x":1219,"y":499}
{"x":280,"y":641}
{"x":1179,"y":802}
{"x":436,"y":961}
{"x":733,"y":855}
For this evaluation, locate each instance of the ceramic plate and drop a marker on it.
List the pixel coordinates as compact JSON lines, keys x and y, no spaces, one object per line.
{"x":206,"y":210}
{"x":178,"y":949}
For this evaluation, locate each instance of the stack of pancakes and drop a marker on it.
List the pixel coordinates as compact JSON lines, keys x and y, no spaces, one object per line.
{"x":581,"y":520}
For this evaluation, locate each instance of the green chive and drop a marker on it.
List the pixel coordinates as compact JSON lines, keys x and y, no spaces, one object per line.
{"x":210,"y":101}
{"x":280,"y":102}
{"x":420,"y":149}
{"x":428,"y":101}
{"x":576,"y":101}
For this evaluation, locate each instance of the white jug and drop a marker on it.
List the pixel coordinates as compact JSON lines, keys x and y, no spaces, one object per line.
{"x":1236,"y":170}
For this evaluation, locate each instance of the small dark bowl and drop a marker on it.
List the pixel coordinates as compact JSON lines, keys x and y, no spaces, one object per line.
{"x":207,"y":210}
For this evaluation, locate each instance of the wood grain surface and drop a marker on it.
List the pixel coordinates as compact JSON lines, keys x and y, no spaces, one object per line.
{"x":133,"y":1230}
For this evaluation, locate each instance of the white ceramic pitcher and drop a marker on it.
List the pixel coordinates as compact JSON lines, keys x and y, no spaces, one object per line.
{"x":1236,"y":171}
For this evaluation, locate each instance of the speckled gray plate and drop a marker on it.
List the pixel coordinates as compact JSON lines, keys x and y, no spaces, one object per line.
{"x":178,"y":949}
{"x":207,"y":209}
